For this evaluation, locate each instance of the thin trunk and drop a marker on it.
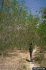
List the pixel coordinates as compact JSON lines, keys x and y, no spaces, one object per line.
{"x":2,"y":54}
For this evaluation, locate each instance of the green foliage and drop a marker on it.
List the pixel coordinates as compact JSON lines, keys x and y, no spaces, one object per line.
{"x":17,"y":27}
{"x":43,"y":11}
{"x":42,"y":32}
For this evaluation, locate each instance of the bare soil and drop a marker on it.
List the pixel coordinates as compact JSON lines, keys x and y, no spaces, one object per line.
{"x":17,"y":60}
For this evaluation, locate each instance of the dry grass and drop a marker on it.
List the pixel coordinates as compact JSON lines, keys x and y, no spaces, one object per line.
{"x":13,"y":60}
{"x":40,"y":58}
{"x":16,"y":60}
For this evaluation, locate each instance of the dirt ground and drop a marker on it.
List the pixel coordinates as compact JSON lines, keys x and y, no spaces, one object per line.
{"x":17,"y":60}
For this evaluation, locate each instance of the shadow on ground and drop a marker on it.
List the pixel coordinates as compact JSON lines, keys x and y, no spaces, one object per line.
{"x":9,"y":55}
{"x":28,"y":60}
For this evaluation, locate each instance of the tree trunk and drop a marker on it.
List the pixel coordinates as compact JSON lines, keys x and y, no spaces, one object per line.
{"x":2,"y":54}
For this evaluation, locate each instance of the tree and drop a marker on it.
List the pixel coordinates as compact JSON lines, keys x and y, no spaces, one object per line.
{"x":42,"y":30}
{"x":43,"y":12}
{"x":12,"y":16}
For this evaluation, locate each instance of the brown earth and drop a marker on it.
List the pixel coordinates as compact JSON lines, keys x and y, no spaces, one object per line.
{"x":17,"y":60}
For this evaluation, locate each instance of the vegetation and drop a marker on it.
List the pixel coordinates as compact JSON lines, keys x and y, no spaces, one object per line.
{"x":18,"y":28}
{"x":41,"y":31}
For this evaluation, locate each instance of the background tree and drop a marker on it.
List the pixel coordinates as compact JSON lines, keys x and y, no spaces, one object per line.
{"x":42,"y":30}
{"x":41,"y":36}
